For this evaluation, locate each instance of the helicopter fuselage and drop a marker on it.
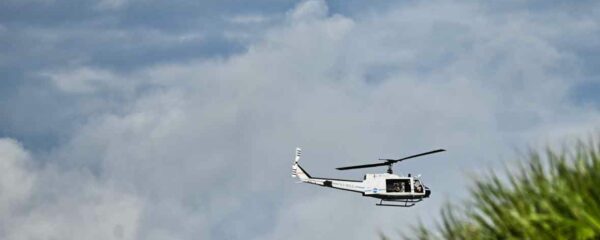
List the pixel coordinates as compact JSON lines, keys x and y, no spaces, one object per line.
{"x":382,"y":186}
{"x":387,"y":187}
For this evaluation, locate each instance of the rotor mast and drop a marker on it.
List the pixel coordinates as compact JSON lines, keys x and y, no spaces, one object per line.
{"x":389,"y":163}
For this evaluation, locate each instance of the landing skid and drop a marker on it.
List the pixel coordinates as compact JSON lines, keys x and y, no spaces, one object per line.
{"x":404,"y":203}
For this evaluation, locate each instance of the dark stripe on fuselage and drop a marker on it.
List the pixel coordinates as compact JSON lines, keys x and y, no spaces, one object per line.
{"x":335,"y":179}
{"x":337,"y":188}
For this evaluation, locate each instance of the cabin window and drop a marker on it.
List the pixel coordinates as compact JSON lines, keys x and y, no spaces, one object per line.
{"x":397,"y":185}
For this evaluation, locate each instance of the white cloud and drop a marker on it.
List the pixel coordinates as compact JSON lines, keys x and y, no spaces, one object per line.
{"x":312,"y":9}
{"x":248,"y":19}
{"x":15,"y":180}
{"x":84,"y":80}
{"x":48,"y":203}
{"x":91,"y":214}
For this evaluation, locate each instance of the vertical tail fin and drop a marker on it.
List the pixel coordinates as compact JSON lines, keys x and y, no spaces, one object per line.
{"x":297,"y":171}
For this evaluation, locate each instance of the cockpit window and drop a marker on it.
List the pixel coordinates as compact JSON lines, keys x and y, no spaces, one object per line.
{"x":418,"y":186}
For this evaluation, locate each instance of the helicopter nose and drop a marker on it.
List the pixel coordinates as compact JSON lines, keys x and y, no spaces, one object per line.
{"x":427,"y":192}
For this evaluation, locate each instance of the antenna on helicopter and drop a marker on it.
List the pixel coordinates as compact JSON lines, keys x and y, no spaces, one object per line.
{"x":389,"y":162}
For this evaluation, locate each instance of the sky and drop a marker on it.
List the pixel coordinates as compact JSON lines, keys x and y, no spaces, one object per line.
{"x":132,"y":119}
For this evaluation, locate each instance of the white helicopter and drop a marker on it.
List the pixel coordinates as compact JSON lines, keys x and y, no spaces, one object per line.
{"x":387,"y":187}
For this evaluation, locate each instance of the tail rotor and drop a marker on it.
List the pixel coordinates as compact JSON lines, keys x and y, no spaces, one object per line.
{"x":297,"y":171}
{"x":295,"y":166}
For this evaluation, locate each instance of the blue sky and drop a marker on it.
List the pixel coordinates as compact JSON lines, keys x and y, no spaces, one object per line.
{"x":131,"y":119}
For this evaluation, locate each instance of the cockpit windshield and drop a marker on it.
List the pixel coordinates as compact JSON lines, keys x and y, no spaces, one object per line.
{"x":418,"y":186}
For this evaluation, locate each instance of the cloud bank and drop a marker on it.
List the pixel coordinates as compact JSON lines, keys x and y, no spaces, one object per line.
{"x":201,"y":149}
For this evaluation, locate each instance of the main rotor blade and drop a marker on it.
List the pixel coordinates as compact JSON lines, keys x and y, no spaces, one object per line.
{"x":420,"y":154}
{"x":389,"y":161}
{"x":364,"y":166}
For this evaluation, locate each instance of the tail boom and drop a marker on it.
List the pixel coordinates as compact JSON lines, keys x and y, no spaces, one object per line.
{"x":342,"y":184}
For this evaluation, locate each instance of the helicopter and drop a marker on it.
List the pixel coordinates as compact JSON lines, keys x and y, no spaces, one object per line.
{"x":391,"y":189}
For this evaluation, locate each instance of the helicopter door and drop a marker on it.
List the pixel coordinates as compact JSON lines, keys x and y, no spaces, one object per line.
{"x":397,"y":185}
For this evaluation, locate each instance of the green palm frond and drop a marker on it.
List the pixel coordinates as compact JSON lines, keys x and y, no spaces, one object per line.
{"x":551,"y":195}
